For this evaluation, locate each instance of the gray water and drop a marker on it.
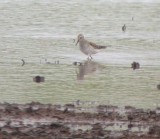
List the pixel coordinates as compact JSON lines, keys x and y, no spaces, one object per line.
{"x":43,"y":32}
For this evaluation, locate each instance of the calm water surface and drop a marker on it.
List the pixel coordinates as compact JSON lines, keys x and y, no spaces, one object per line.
{"x":42,"y":32}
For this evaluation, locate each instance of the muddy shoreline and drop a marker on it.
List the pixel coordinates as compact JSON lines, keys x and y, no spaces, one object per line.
{"x":74,"y":121}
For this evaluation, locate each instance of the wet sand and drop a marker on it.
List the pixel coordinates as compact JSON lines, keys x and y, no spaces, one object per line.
{"x":75,"y":121}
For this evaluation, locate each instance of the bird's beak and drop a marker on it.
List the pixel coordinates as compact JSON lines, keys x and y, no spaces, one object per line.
{"x":77,"y":41}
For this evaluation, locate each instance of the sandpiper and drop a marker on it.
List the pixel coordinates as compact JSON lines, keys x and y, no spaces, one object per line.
{"x":88,"y":48}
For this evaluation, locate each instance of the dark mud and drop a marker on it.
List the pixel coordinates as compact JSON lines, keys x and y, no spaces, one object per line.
{"x":74,"y":121}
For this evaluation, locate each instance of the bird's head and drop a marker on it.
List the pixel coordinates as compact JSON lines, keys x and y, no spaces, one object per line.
{"x":80,"y":36}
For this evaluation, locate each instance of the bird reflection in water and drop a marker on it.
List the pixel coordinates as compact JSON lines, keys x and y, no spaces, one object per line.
{"x":87,"y":68}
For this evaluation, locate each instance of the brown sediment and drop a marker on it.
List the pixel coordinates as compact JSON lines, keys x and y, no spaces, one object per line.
{"x":46,"y":121}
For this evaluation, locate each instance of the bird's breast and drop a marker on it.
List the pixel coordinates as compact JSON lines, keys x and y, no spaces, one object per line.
{"x":86,"y":48}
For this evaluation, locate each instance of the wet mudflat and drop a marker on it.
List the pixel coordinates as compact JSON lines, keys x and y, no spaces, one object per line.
{"x":74,"y":121}
{"x":38,"y":40}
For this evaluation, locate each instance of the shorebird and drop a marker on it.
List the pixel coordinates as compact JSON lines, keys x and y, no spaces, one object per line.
{"x":88,"y":48}
{"x":124,"y":28}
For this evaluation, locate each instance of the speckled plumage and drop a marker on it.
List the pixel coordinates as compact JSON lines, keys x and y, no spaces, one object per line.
{"x":88,"y":48}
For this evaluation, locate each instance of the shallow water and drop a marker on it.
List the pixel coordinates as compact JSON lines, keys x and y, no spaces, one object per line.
{"x":44,"y":30}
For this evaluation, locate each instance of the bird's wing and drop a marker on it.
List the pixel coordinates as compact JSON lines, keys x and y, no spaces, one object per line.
{"x":95,"y":46}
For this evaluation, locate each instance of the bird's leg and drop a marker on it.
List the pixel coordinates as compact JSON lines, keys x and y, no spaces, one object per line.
{"x":90,"y":57}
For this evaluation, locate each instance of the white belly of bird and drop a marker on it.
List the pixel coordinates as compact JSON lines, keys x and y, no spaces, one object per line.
{"x":88,"y":50}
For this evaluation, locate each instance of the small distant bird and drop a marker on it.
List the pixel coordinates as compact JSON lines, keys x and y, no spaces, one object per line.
{"x":88,"y":48}
{"x":124,"y":28}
